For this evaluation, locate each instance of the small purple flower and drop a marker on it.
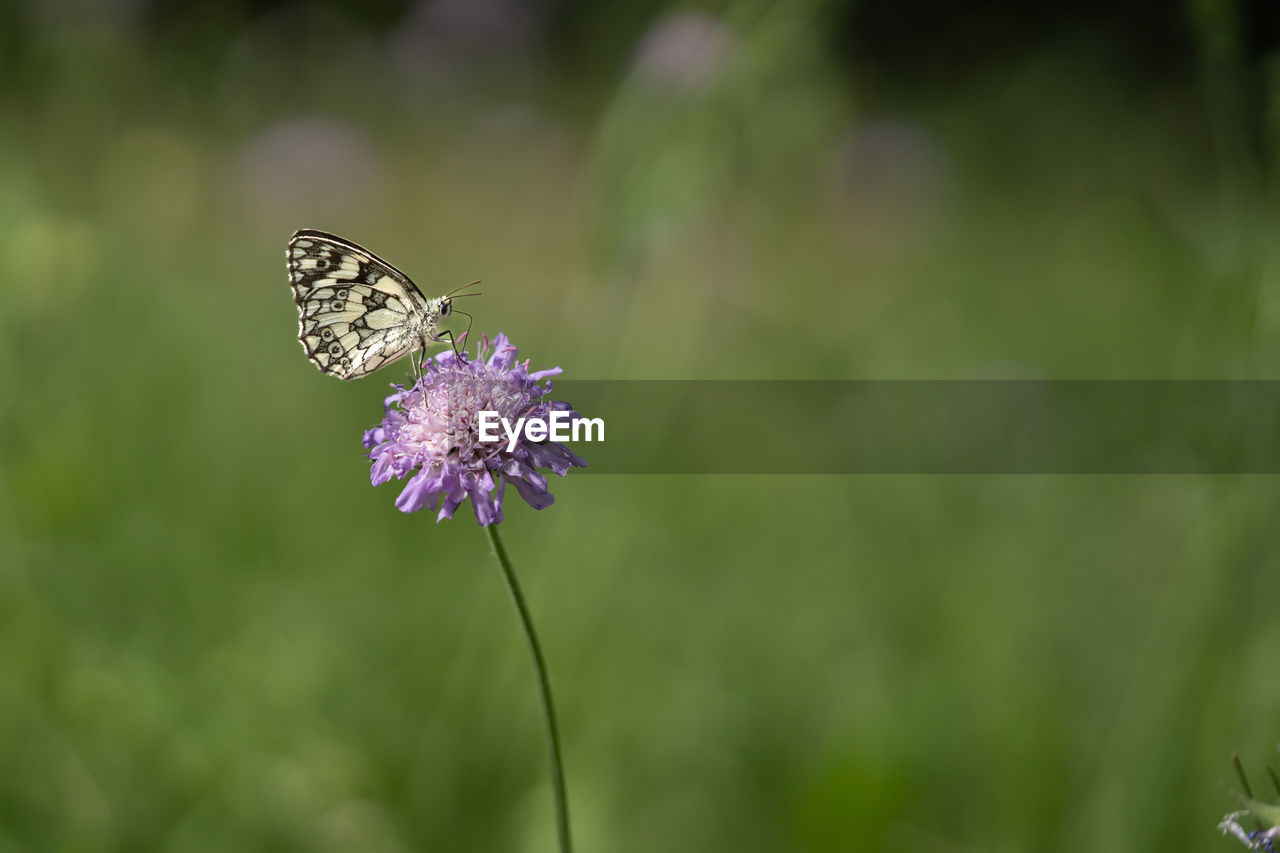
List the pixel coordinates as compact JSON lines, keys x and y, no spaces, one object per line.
{"x":433,"y":428}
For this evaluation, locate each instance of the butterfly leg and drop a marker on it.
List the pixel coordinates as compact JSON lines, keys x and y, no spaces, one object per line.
{"x":462,"y":359}
{"x":418,"y":357}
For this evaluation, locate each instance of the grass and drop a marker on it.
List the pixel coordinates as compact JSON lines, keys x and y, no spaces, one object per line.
{"x":215,"y":636}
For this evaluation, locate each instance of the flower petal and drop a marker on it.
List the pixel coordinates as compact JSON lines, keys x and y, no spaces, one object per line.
{"x":420,"y":491}
{"x":535,"y":496}
{"x":381,"y":470}
{"x":479,"y":488}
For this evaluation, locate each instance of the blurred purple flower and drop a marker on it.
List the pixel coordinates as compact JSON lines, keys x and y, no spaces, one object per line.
{"x":277,"y":174}
{"x":684,"y":50}
{"x":432,"y":427}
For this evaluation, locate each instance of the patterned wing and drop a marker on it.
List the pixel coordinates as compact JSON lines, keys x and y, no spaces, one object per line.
{"x":356,"y":312}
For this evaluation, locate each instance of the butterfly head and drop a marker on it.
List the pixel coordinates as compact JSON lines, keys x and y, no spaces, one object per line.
{"x":446,"y":305}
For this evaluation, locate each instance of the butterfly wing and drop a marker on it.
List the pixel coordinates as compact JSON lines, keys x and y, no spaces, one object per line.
{"x":356,"y":312}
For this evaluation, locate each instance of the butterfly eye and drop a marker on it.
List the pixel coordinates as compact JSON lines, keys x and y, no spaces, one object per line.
{"x":444,"y":307}
{"x":335,"y":348}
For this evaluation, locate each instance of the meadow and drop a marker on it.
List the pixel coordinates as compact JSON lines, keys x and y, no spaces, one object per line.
{"x":216,"y":635}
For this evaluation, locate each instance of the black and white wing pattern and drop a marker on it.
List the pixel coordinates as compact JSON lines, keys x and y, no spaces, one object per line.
{"x":356,"y":312}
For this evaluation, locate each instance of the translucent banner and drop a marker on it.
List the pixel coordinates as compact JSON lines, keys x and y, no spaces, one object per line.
{"x":929,"y":427}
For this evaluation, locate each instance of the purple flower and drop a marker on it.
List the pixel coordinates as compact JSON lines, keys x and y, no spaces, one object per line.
{"x":433,"y":428}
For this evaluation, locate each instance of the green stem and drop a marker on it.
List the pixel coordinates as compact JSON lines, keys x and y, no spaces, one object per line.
{"x":544,"y":689}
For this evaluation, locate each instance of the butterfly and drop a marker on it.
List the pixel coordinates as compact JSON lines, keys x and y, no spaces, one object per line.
{"x":356,"y":312}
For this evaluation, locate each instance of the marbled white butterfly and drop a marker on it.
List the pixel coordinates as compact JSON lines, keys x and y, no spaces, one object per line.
{"x":356,"y":312}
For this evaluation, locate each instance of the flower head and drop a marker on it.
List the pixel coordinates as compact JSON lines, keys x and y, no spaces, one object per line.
{"x":432,"y":428}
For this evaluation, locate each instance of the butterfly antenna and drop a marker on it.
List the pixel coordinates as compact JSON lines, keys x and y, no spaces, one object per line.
{"x":464,"y":287}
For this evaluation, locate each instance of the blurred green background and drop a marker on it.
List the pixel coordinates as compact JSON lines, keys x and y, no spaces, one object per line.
{"x":215,"y":636}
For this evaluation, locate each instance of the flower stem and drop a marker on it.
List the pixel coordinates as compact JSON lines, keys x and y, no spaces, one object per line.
{"x":544,"y":689}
